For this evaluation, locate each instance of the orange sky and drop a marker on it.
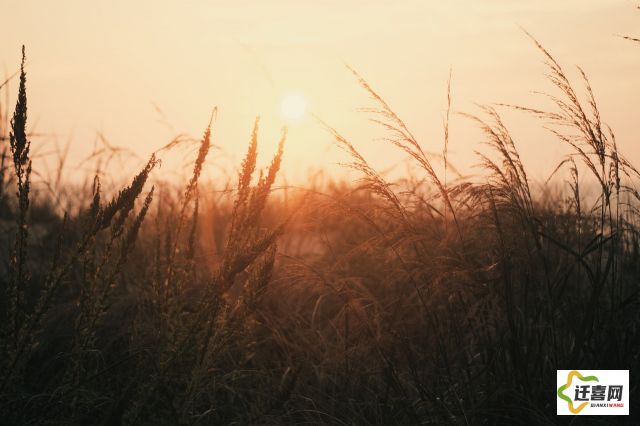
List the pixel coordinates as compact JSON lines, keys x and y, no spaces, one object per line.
{"x":102,"y":66}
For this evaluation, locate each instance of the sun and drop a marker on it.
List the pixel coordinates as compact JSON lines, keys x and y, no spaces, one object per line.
{"x":293,"y":107}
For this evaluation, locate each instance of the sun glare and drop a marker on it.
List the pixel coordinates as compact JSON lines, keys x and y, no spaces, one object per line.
{"x":293,"y":107}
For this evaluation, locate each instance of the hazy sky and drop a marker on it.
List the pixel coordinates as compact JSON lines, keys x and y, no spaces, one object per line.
{"x":105,"y":66}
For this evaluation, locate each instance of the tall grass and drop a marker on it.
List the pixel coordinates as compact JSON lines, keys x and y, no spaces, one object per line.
{"x":425,"y":301}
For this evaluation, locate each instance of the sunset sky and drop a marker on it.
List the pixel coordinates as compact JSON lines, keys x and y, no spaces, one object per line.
{"x":110,"y":66}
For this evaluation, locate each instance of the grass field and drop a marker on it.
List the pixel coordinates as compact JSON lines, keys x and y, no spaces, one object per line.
{"x":433,"y":299}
